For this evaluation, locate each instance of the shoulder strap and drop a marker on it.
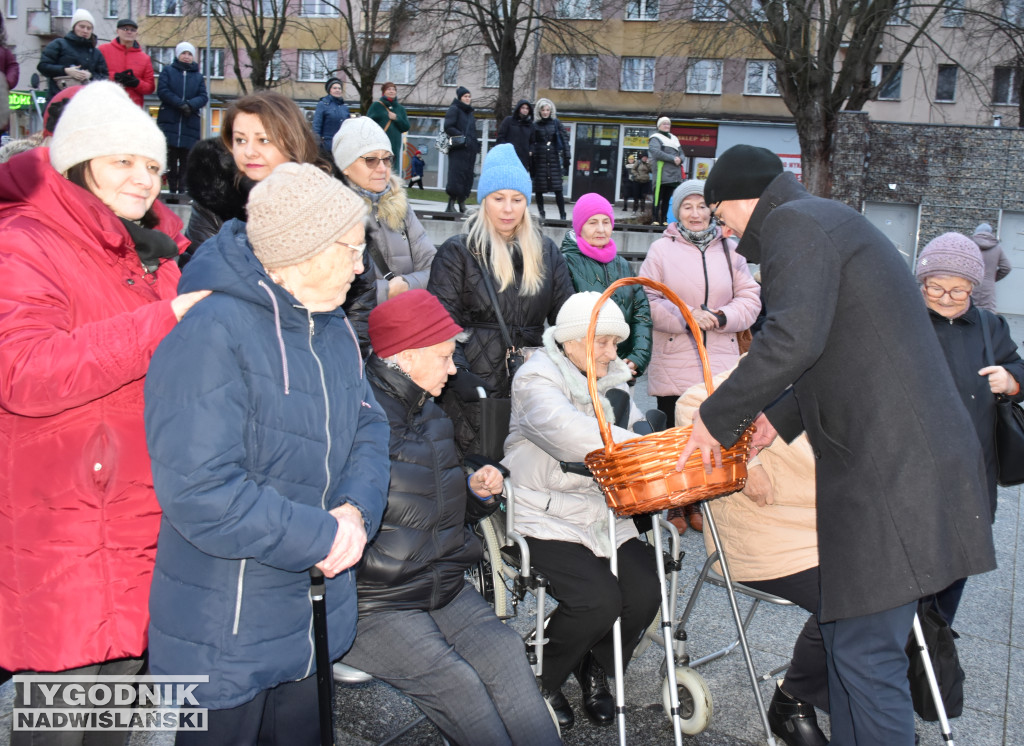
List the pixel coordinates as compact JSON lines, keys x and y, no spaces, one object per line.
{"x":379,"y":260}
{"x":728,"y":258}
{"x":493,"y":296}
{"x":986,"y":335}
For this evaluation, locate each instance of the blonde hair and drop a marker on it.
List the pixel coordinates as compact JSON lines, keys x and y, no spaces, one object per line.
{"x":484,"y":240}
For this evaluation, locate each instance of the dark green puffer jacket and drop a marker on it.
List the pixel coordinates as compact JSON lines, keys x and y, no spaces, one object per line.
{"x":589,"y":274}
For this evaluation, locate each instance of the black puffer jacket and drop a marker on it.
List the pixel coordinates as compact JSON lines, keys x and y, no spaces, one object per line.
{"x":459,"y":120}
{"x":456,"y":279}
{"x":69,"y":51}
{"x":518,"y":130}
{"x":551,"y":152}
{"x":419,"y":558}
{"x":219,"y":194}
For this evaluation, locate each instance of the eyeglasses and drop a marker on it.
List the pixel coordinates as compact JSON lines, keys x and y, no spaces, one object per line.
{"x":373,"y":161}
{"x":357,"y":248}
{"x":935,"y":292}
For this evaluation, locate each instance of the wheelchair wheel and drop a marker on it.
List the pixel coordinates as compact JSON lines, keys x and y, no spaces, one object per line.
{"x":489,"y":580}
{"x":695,"y":708}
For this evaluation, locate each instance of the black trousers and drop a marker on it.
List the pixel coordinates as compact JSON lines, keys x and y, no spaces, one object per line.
{"x":176,"y":160}
{"x":667,"y":404}
{"x":661,"y":209}
{"x":287,"y":714}
{"x":559,"y":200}
{"x":589,"y":600}
{"x":807,"y":677}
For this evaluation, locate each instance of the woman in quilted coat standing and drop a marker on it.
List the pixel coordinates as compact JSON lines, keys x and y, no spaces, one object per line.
{"x":550,"y":155}
{"x":90,"y":289}
{"x":74,"y":56}
{"x":182,"y":93}
{"x":526,"y":272}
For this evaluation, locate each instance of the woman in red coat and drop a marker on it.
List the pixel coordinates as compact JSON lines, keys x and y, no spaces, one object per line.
{"x":90,"y":289}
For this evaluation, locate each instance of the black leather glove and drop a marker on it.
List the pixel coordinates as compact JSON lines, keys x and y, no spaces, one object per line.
{"x":465,"y":383}
{"x":565,"y":168}
{"x":119,"y":78}
{"x":186,"y":110}
{"x":129,"y":81}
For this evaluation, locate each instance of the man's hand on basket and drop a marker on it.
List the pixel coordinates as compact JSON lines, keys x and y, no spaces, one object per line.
{"x":701,"y":439}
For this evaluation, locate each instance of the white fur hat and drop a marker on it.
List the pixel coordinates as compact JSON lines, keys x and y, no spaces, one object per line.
{"x":101,"y":120}
{"x":574,"y":318}
{"x":82,"y":15}
{"x":184,"y":46}
{"x":357,"y":137}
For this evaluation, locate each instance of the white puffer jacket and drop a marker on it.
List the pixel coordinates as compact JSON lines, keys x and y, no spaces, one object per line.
{"x":553,"y":420}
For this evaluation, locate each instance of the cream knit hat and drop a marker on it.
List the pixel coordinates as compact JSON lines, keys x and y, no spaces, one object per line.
{"x":574,"y":318}
{"x":81,"y":14}
{"x":357,"y":137}
{"x":101,"y":120}
{"x":297,"y":212}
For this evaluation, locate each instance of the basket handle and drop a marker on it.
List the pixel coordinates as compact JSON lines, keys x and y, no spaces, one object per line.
{"x":606,"y":430}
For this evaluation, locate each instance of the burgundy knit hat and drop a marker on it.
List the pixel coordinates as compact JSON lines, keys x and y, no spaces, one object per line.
{"x":951,"y":254}
{"x":409,"y":321}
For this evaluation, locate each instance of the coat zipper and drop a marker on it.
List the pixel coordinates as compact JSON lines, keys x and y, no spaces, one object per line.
{"x":238,"y":597}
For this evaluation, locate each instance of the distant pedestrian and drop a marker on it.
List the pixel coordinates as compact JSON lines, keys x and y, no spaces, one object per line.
{"x":417,"y":170}
{"x":642,"y":177}
{"x":127,"y":64}
{"x":392,"y":118}
{"x":667,"y":158}
{"x":182,"y":92}
{"x":73,"y":59}
{"x":459,"y":122}
{"x":517,"y":129}
{"x":997,"y":266}
{"x":10,"y":71}
{"x":550,"y":156}
{"x":331,"y":112}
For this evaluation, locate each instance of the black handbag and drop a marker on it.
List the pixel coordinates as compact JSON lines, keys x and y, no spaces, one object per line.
{"x":1009,"y":427}
{"x":941,"y":642}
{"x":513,"y":355}
{"x":456,"y":141}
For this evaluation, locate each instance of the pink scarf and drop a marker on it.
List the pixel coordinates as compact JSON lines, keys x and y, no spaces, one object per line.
{"x":604,"y":254}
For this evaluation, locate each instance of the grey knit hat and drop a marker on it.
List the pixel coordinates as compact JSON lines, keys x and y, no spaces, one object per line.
{"x":357,"y":137}
{"x":101,"y":120}
{"x":951,"y":254}
{"x":297,"y":212}
{"x":574,"y":318}
{"x":684,"y":190}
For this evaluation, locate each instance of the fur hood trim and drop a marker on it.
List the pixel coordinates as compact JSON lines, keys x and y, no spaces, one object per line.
{"x":544,"y":102}
{"x":618,"y":374}
{"x":214,"y":182}
{"x":392,"y":207}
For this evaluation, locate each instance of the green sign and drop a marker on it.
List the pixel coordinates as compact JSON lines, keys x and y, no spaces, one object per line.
{"x":22,"y":100}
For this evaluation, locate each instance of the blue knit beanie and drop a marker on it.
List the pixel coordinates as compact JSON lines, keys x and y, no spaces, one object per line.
{"x":502,"y":169}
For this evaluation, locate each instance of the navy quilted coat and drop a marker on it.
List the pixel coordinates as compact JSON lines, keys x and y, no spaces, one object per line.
{"x":255,"y":430}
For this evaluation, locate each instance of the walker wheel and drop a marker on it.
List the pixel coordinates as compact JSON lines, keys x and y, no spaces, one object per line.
{"x":695,"y":708}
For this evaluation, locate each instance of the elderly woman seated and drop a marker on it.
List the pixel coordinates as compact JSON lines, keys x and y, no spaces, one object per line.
{"x":564,"y":517}
{"x":422,"y":628}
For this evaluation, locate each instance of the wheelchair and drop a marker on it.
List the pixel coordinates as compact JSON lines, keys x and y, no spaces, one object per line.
{"x":505,"y":576}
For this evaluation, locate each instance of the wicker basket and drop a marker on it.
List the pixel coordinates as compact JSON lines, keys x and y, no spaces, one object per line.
{"x":640,"y":476}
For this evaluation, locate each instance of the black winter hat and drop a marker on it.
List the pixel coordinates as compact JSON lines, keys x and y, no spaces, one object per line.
{"x":127,"y":22}
{"x":741,"y":172}
{"x":332,"y":81}
{"x":461,"y":91}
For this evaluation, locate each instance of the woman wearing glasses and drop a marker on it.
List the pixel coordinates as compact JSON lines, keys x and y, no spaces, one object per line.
{"x":396,"y":242}
{"x":695,"y":261}
{"x":949,"y":269}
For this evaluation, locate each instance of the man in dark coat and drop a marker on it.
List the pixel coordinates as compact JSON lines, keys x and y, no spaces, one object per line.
{"x":845,"y":355}
{"x":517,"y":129}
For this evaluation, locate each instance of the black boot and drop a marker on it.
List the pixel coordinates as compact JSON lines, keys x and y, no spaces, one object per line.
{"x":563,"y":710}
{"x":794,"y":721}
{"x":462,"y":205}
{"x":598,"y":702}
{"x":451,"y":205}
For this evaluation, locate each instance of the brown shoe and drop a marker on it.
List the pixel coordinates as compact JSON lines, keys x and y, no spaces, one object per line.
{"x":678,"y":519}
{"x":694,"y":517}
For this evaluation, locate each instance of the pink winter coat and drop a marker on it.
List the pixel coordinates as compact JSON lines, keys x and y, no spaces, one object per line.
{"x":697,"y":278}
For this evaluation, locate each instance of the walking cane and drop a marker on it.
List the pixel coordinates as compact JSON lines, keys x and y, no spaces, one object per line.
{"x":324,"y":680}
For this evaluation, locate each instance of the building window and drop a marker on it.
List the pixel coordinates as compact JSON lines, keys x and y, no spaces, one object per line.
{"x":161,"y":56}
{"x":276,"y":67}
{"x":945,"y":88}
{"x":316,"y":65}
{"x":1006,"y":88}
{"x":574,"y":71}
{"x":637,"y":74}
{"x":758,"y":13}
{"x":112,"y":8}
{"x":580,"y":9}
{"x":216,"y":63}
{"x":450,"y":71}
{"x":704,"y":76}
{"x":891,"y":90}
{"x":642,"y":10}
{"x":761,"y":79}
{"x":62,"y":8}
{"x":953,"y":15}
{"x":398,"y":68}
{"x":12,"y":8}
{"x":319,"y":8}
{"x":164,"y":7}
{"x":491,"y":76}
{"x":710,"y":10}
{"x":900,"y":13}
{"x":1013,"y":12}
